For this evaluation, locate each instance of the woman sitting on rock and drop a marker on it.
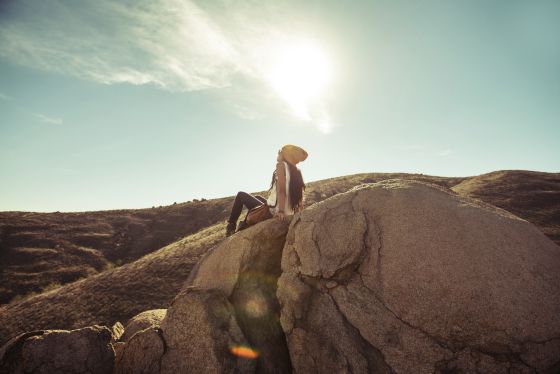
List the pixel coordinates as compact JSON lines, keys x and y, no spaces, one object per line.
{"x":286,"y":189}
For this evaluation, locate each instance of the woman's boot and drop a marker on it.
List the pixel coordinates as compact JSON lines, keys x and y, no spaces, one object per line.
{"x":230,"y":229}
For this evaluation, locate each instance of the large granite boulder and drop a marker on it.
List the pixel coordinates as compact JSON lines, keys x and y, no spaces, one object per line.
{"x":226,"y":317}
{"x":87,"y":350}
{"x":407,"y":277}
{"x":200,"y":332}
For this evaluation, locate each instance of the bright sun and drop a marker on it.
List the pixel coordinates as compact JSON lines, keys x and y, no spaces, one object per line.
{"x":300,"y":74}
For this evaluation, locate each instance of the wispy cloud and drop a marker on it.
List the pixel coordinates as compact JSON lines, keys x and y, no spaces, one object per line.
{"x":443,"y":153}
{"x":47,"y":119}
{"x":3,"y":96}
{"x":177,"y":45}
{"x":170,"y":43}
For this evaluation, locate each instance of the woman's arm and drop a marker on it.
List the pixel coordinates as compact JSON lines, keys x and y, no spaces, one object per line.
{"x":281,"y":186}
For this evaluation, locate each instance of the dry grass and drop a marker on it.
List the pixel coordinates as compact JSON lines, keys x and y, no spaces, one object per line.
{"x":37,"y":249}
{"x":117,"y":294}
{"x":533,"y":196}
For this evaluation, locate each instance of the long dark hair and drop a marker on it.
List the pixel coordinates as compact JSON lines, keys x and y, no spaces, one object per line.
{"x":297,"y":186}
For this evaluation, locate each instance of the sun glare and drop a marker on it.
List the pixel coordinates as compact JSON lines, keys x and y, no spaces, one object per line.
{"x":300,"y":75}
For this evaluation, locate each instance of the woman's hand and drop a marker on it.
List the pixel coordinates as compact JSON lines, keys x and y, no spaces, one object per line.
{"x":280,"y":215}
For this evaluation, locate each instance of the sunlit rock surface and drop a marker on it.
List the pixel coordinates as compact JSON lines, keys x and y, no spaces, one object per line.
{"x":87,"y":350}
{"x":407,"y":277}
{"x":141,"y":321}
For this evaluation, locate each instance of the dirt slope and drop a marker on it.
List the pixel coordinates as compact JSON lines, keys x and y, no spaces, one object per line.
{"x":531,"y":195}
{"x":117,"y":294}
{"x":39,"y":250}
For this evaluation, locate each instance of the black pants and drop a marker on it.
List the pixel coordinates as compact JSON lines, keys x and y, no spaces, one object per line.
{"x":243,"y":198}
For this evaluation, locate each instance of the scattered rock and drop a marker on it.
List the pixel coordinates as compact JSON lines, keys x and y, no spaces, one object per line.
{"x":142,"y":321}
{"x":141,"y":354}
{"x":117,"y":330}
{"x":86,"y":350}
{"x":10,"y":353}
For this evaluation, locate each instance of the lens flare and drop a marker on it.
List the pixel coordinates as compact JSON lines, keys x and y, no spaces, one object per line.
{"x":244,"y":351}
{"x":256,"y":306}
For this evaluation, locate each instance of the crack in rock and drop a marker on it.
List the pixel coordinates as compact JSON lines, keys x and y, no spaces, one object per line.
{"x":373,"y":362}
{"x":437,"y":340}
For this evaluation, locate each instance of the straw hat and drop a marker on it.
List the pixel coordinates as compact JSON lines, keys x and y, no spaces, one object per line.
{"x":293,"y":154}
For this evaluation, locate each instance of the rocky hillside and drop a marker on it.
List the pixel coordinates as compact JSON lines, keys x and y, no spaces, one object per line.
{"x":391,"y":277}
{"x":39,"y":251}
{"x":42,"y":251}
{"x":114,"y":295}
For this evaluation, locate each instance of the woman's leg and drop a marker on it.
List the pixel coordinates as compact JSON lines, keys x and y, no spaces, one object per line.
{"x":242,"y":198}
{"x":262,"y":199}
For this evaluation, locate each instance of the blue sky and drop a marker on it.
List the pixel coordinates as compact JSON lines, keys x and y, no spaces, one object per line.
{"x":131,"y":104}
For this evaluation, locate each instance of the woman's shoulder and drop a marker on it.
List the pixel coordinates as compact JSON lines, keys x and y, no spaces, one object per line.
{"x":282,"y":165}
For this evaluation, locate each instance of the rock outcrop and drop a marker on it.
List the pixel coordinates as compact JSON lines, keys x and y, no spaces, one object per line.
{"x":226,"y":317}
{"x":406,"y":277}
{"x":392,"y":277}
{"x":87,"y":350}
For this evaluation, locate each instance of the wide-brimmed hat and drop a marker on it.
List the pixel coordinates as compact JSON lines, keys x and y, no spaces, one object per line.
{"x":293,"y":154}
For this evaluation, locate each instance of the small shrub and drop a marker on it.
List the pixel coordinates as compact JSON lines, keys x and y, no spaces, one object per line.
{"x":23,"y":297}
{"x":51,"y":286}
{"x":111,"y":265}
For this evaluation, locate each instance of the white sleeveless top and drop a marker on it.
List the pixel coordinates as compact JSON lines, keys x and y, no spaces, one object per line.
{"x":273,"y":194}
